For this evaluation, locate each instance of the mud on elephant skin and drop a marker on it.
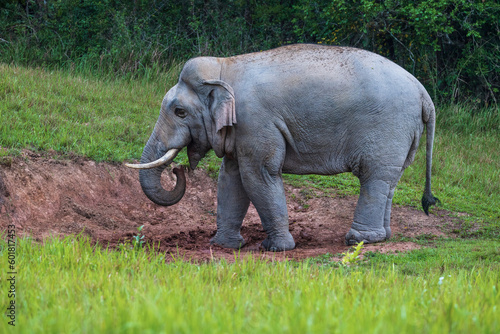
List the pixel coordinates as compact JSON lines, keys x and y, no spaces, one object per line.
{"x":300,"y":109}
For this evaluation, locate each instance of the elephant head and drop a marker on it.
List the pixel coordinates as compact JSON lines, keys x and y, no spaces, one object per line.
{"x":198,"y":112}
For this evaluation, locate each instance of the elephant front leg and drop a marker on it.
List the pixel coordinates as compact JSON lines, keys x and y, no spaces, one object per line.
{"x":372,"y":215}
{"x":232,"y":206}
{"x":267,"y":194}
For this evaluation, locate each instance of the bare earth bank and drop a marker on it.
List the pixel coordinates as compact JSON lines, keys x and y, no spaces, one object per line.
{"x":43,"y":197}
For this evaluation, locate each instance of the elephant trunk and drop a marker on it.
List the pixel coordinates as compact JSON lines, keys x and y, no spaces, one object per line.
{"x":150,"y":177}
{"x":151,"y":185}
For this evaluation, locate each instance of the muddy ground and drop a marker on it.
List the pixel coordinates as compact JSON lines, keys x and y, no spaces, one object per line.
{"x":44,"y":196}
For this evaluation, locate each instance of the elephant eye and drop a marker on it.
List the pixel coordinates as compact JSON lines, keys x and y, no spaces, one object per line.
{"x":180,"y":112}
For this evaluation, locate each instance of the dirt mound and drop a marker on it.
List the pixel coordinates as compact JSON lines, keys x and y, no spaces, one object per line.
{"x":43,"y":197}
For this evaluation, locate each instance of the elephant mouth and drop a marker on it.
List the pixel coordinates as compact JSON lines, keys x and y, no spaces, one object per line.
{"x":164,"y":160}
{"x":194,"y":157}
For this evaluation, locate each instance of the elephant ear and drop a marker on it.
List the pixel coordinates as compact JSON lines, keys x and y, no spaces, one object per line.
{"x":223,"y":117}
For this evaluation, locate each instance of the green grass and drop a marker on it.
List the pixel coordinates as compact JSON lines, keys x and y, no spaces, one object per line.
{"x":69,"y":286}
{"x":103,"y":120}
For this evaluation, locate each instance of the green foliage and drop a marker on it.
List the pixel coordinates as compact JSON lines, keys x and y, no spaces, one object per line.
{"x":138,"y":239}
{"x":452,"y":46}
{"x":353,"y":257}
{"x":136,"y":243}
{"x":71,"y":285}
{"x":128,"y":38}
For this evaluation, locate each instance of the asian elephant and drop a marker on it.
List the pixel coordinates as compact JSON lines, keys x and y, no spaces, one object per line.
{"x":300,"y":109}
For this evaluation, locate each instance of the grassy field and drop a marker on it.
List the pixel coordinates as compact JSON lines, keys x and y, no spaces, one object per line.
{"x":101,"y":119}
{"x":71,"y":286}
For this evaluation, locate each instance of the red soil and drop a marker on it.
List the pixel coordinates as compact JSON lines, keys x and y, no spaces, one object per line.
{"x":43,"y":197}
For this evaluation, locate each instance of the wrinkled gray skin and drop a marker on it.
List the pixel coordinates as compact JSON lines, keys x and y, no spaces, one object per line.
{"x":300,"y":109}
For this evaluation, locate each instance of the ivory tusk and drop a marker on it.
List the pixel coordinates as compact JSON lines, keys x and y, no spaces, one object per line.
{"x":166,"y":159}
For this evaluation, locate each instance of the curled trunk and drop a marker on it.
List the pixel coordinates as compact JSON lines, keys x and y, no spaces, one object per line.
{"x":150,"y":179}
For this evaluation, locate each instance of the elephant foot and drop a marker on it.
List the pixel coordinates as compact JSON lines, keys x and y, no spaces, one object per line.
{"x":235,"y":242}
{"x":279,"y":244}
{"x":355,"y":236}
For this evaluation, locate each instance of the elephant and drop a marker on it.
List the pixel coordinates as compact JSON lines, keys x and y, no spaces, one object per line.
{"x":298,"y":109}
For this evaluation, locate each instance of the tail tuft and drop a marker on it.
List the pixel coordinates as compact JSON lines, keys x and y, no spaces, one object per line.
{"x":427,"y":201}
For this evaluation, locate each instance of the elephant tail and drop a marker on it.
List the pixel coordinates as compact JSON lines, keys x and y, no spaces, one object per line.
{"x":429,"y":118}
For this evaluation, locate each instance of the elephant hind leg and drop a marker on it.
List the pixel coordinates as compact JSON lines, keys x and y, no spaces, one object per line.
{"x":373,"y":211}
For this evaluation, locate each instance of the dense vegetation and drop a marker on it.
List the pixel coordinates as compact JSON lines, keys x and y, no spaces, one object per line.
{"x":452,"y":46}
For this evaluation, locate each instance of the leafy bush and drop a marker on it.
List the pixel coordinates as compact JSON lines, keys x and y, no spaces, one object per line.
{"x":452,"y":46}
